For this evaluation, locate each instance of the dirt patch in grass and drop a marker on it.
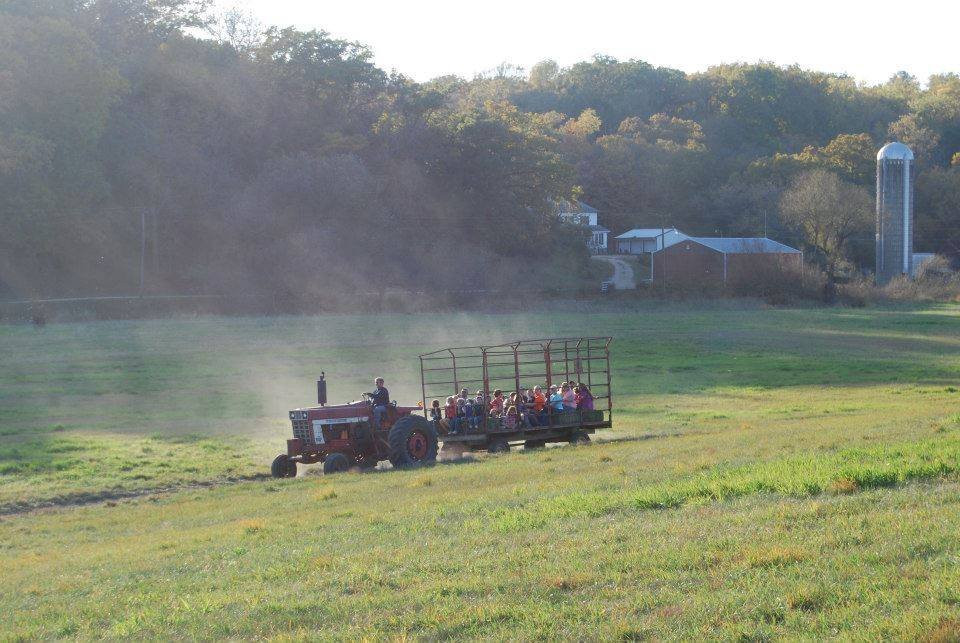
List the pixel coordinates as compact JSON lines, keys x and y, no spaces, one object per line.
{"x":80,"y":499}
{"x":947,"y":631}
{"x":844,"y":485}
{"x":775,"y":556}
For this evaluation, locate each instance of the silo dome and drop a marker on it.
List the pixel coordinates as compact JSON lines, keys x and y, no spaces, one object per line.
{"x":895,"y":152}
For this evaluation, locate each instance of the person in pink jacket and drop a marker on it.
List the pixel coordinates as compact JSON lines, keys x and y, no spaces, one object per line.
{"x":569,"y":397}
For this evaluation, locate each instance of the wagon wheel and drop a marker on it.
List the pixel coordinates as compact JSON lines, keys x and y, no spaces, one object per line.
{"x":283,"y":467}
{"x":498,"y":446}
{"x":534,"y":444}
{"x":579,"y":437}
{"x":336,"y":463}
{"x":413,"y":441}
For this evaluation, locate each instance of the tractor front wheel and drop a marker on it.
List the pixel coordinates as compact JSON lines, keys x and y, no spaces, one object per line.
{"x":283,"y":467}
{"x":413,"y":440}
{"x":336,"y":463}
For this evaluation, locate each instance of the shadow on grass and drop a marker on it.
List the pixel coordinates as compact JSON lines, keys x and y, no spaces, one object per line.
{"x":780,"y":358}
{"x":674,"y":350}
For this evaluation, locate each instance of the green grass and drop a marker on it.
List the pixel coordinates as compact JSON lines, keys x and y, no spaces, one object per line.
{"x":771,"y":472}
{"x":80,"y":468}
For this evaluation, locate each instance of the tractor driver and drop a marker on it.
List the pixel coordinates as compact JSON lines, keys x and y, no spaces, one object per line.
{"x":380,"y":398}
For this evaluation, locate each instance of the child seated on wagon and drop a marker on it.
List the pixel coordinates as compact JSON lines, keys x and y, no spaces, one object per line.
{"x":540,"y":405}
{"x":510,"y":418}
{"x":462,"y":422}
{"x":480,"y":408}
{"x":436,"y":415}
{"x":471,"y":413}
{"x":556,"y":399}
{"x":569,"y":397}
{"x":450,"y":415}
{"x":496,"y":404}
{"x":584,"y":397}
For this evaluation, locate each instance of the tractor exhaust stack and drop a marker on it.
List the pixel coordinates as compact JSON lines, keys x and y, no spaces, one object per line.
{"x":322,"y":389}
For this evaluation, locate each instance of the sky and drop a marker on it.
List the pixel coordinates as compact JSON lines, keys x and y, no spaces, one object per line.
{"x":427,"y":38}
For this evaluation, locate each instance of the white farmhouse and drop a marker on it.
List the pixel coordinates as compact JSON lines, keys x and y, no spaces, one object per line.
{"x":580,"y":214}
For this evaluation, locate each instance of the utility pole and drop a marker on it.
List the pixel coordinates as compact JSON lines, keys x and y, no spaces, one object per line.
{"x":155,"y":214}
{"x":143,"y":245}
{"x":764,"y":224}
{"x":663,"y":254}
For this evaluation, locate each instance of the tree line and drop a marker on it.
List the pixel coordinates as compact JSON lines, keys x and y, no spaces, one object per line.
{"x":269,"y":160}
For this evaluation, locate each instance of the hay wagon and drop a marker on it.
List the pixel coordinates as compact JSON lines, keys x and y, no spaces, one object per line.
{"x":518,"y":366}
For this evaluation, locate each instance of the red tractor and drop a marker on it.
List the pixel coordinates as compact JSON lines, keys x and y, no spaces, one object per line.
{"x":344,"y":436}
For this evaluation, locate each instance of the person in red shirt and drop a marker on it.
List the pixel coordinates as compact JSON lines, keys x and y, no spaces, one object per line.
{"x":496,"y":404}
{"x":450,"y":414}
{"x":540,"y":405}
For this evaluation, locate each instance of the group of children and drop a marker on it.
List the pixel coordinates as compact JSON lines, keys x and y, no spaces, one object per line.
{"x":529,"y":408}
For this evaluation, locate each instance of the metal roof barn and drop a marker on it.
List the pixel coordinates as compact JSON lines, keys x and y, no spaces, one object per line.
{"x":707,"y":262}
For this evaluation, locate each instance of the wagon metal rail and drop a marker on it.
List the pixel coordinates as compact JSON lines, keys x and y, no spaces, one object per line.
{"x":523,"y":364}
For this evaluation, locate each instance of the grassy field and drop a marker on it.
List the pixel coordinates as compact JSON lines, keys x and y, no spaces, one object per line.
{"x":772,"y":472}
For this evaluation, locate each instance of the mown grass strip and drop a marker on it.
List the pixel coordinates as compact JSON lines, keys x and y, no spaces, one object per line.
{"x":840,"y":472}
{"x":843,"y":471}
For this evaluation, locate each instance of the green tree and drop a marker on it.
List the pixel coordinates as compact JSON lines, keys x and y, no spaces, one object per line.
{"x":544,"y":74}
{"x":938,"y":211}
{"x":828,"y":212}
{"x":584,"y":126}
{"x":922,"y":140}
{"x":853,"y":155}
{"x":57,"y":95}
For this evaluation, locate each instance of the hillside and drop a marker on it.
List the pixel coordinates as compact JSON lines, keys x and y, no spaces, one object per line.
{"x":279,"y":163}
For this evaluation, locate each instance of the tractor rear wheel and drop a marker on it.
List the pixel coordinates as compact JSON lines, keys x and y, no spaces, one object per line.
{"x":579,"y":437}
{"x":283,"y":467}
{"x":498,"y":446}
{"x":413,"y":441}
{"x":336,"y":463}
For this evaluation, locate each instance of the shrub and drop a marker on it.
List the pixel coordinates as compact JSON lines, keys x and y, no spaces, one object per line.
{"x":934,"y":281}
{"x":781,"y":281}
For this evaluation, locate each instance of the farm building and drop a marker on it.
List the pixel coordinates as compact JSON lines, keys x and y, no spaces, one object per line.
{"x":719,"y":261}
{"x":580,"y":214}
{"x":643,"y":240}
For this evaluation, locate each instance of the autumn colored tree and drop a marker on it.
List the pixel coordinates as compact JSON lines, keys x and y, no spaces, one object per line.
{"x":828,"y":212}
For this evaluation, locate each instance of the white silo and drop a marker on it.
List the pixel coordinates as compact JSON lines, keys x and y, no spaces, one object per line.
{"x":895,"y":174}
